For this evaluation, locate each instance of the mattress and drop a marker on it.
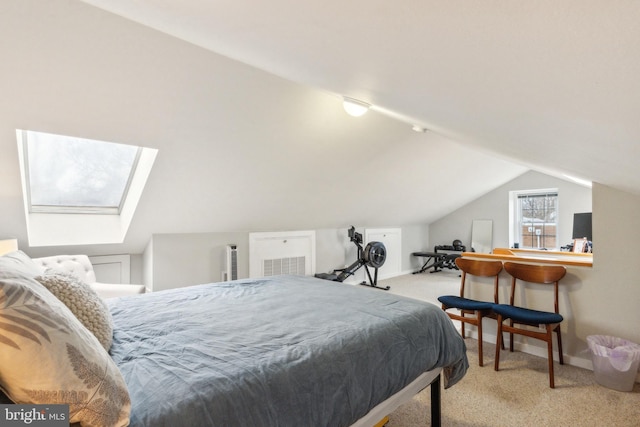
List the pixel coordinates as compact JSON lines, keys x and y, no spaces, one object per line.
{"x":280,"y":351}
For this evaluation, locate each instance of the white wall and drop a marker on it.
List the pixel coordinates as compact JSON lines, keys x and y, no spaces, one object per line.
{"x":182,"y":259}
{"x":186,"y":259}
{"x":604,"y":299}
{"x":609,"y":299}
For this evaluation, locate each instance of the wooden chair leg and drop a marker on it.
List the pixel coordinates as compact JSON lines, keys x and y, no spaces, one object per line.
{"x":511,"y":337}
{"x":499,"y":344}
{"x":550,"y":355}
{"x":500,"y":341}
{"x":560,"y":358}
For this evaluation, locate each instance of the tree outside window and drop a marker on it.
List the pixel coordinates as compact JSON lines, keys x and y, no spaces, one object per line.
{"x":537,"y":216}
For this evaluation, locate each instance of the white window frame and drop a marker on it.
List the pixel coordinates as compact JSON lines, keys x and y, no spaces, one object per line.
{"x":515,"y":215}
{"x":72,"y":228}
{"x":84,"y":209}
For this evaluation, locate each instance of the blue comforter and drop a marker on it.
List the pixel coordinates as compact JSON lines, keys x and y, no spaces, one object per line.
{"x":282,"y":351}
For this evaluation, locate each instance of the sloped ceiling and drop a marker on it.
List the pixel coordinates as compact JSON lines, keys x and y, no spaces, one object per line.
{"x":240,"y":149}
{"x":242,"y":99}
{"x":551,"y":84}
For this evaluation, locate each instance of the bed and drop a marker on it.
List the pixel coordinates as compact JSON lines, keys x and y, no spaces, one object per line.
{"x":281,"y":351}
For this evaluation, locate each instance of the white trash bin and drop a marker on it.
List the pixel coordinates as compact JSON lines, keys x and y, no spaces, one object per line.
{"x":615,"y":361}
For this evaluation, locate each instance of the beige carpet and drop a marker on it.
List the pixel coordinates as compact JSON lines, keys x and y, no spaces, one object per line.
{"x":517,"y":395}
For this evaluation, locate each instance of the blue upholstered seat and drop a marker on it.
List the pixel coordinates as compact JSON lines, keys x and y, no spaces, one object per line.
{"x":525,"y":315}
{"x":464,"y":303}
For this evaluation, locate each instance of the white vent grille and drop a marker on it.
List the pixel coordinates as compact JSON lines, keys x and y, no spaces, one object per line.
{"x":282,"y":252}
{"x":274,"y":267}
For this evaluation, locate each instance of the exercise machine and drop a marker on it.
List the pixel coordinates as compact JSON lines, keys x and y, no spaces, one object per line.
{"x":373,"y":255}
{"x":437,"y":261}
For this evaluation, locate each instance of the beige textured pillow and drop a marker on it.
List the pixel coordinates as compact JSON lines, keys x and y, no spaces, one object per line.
{"x":48,"y":357}
{"x":84,"y":303}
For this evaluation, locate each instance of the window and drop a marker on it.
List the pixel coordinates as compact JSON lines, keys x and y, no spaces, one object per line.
{"x":534,"y":219}
{"x":76,"y":175}
{"x":80,"y":191}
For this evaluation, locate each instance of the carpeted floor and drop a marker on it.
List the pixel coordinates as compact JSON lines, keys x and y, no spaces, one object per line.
{"x":517,"y":395}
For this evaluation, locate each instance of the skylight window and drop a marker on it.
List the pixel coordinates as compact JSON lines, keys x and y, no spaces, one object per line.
{"x":80,"y":191}
{"x":76,"y":175}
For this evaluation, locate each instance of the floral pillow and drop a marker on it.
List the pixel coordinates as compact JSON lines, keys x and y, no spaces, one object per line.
{"x":48,"y":357}
{"x":84,"y":303}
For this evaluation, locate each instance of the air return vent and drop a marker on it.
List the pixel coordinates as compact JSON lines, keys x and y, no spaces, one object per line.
{"x":284,"y":252}
{"x":274,"y":267}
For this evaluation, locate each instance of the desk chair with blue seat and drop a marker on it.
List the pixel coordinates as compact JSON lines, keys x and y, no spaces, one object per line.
{"x":477,"y":309}
{"x":549,"y":321}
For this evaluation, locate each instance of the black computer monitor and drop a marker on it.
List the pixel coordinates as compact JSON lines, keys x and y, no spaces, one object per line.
{"x":582,"y":226}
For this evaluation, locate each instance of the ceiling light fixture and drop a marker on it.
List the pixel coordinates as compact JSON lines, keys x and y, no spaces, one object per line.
{"x":418,"y":128}
{"x":355,"y":108}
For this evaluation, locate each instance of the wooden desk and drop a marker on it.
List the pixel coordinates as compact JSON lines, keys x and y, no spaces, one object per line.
{"x":536,"y":256}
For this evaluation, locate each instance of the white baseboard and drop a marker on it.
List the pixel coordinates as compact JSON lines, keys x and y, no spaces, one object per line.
{"x":579,"y":362}
{"x":533,"y":350}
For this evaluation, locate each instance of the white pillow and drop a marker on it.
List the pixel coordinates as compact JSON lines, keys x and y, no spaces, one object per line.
{"x":83,"y":301}
{"x":48,"y":357}
{"x":21,"y":262}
